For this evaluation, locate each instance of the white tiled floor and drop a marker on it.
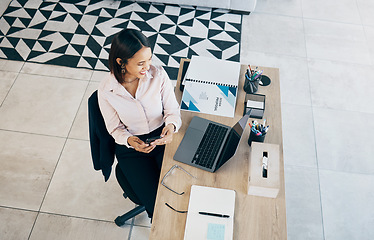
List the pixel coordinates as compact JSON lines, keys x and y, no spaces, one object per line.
{"x":325,"y":52}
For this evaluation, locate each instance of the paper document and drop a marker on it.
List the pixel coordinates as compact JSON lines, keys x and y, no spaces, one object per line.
{"x":210,"y":214}
{"x":211,"y":86}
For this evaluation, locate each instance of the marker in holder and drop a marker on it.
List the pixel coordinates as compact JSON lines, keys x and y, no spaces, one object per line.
{"x":257,"y":132}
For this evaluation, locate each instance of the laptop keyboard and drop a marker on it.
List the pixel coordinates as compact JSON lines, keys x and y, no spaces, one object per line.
{"x":209,"y":146}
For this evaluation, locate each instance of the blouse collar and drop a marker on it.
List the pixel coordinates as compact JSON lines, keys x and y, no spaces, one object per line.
{"x":116,"y":87}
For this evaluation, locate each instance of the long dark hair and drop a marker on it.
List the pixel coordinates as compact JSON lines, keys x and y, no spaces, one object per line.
{"x":124,"y":45}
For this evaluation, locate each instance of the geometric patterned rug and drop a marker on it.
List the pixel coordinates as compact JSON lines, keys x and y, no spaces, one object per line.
{"x":78,"y":33}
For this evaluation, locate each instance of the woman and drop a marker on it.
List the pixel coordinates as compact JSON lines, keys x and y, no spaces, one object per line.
{"x":137,"y":102}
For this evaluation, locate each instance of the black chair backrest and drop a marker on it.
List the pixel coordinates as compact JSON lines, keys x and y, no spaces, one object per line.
{"x":103,"y":147}
{"x":101,"y":142}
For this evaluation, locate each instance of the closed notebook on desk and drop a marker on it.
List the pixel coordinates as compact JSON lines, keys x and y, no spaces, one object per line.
{"x":213,"y":202}
{"x":211,"y":86}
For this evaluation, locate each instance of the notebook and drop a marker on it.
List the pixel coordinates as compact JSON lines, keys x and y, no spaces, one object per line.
{"x":216,"y":220}
{"x":211,"y":86}
{"x":195,"y":140}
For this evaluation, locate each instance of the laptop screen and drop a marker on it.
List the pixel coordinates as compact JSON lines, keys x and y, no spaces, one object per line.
{"x":239,"y":127}
{"x":233,"y":139}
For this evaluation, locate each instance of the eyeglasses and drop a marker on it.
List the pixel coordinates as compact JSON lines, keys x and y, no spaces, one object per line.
{"x":178,"y":211}
{"x":168,"y":173}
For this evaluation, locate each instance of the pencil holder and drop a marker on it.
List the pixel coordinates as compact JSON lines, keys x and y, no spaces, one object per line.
{"x":254,"y":138}
{"x":251,"y":86}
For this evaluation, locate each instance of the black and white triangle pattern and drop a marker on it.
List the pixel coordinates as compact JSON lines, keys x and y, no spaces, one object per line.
{"x":78,"y":33}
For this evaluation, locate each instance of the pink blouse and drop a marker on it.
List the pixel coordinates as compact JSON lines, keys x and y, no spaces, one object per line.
{"x":154,"y":104}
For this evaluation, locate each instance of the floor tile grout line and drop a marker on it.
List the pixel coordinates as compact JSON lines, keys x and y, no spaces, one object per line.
{"x":78,"y":139}
{"x":326,"y":108}
{"x":63,"y":215}
{"x":14,"y":82}
{"x":310,"y":58}
{"x":61,"y":67}
{"x":328,"y":169}
{"x":308,"y":18}
{"x":53,"y":76}
{"x":46,"y":191}
{"x":66,"y":138}
{"x":318,"y":171}
{"x":313,"y":124}
{"x":277,"y":54}
{"x":131,"y":228}
{"x":365,"y":33}
{"x":18,"y":209}
{"x":359,"y":13}
{"x":58,"y":160}
{"x":341,"y":110}
{"x":274,"y":14}
{"x":295,"y":104}
{"x":79,"y":217}
{"x":32,"y":133}
{"x":61,"y":77}
{"x":300,"y":166}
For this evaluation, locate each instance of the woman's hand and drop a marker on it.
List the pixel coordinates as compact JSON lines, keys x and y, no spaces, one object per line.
{"x":139,"y":145}
{"x":166,"y":135}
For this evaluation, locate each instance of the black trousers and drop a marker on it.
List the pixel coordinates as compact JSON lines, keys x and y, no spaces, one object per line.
{"x":142,"y":170}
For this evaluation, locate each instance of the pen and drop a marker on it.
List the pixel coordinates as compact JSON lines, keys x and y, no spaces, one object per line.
{"x":248,"y":77}
{"x":254,"y":130}
{"x":253,"y":76}
{"x":214,"y":214}
{"x":249,"y":71}
{"x":258,"y":74}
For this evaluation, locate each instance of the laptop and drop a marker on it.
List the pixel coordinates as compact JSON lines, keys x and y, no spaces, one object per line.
{"x":210,"y":214}
{"x":208,"y":145}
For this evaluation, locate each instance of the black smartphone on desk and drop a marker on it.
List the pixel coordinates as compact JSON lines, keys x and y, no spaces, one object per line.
{"x":149,"y":140}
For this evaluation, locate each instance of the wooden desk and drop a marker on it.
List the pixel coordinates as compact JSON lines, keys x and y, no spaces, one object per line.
{"x":256,"y":218}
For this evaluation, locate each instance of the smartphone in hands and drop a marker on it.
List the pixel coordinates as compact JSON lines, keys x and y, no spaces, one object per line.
{"x":149,"y":140}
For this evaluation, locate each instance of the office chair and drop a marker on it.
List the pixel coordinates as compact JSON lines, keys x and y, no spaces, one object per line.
{"x":127,"y":192}
{"x":102,"y":152}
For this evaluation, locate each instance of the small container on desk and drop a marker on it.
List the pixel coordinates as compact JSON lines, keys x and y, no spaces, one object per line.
{"x":264,"y":174}
{"x":256,"y":103}
{"x":253,"y":137}
{"x":257,"y":132}
{"x":254,"y":79}
{"x":251,"y":86}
